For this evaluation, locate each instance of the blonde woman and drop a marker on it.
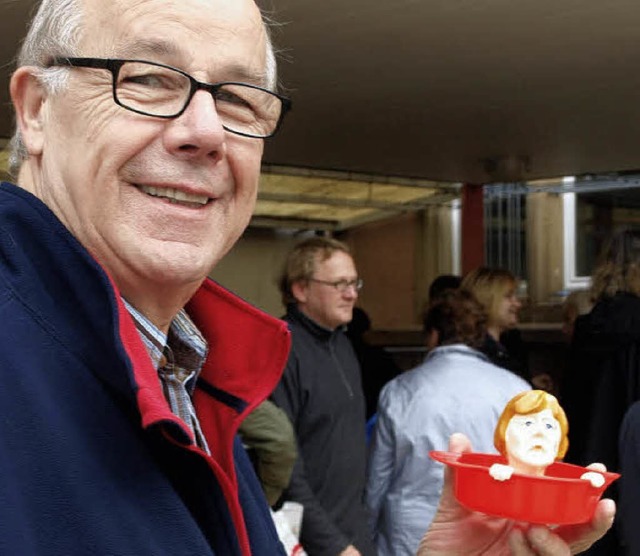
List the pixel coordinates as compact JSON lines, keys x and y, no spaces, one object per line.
{"x":496,"y":290}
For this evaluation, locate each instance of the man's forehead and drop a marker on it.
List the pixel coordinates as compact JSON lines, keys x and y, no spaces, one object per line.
{"x":338,"y":260}
{"x":154,"y":25}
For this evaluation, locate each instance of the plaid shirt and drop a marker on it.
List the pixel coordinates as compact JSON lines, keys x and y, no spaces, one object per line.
{"x":178,"y":359}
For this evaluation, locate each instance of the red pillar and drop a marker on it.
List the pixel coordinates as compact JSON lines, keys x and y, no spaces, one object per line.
{"x":472,"y":227}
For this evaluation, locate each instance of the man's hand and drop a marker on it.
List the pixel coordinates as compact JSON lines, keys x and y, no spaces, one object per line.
{"x":456,"y":531}
{"x":350,"y":551}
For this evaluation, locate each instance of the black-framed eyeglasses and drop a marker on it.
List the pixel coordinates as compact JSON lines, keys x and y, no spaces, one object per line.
{"x":341,"y":285}
{"x":162,"y":91}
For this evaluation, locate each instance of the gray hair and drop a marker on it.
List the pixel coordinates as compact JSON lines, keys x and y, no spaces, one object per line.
{"x":55,"y":30}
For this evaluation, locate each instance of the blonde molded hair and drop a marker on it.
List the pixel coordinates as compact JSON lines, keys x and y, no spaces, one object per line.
{"x":526,"y":403}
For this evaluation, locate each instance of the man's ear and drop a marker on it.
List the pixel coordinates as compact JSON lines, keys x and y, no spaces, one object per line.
{"x":299,"y":291}
{"x":28,"y":96}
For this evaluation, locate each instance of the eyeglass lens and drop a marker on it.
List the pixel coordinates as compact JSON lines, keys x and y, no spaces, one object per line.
{"x":344,"y":285}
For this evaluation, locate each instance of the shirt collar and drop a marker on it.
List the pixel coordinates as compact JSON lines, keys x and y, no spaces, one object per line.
{"x":187,"y":345}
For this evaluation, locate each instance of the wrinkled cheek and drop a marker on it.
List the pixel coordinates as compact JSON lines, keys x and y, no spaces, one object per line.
{"x":245,"y":202}
{"x":97,"y":129}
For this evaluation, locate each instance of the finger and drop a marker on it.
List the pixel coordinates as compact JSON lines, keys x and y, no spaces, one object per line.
{"x":582,"y":536}
{"x":518,"y":544}
{"x":597,"y":467}
{"x":459,"y":443}
{"x":448,"y":505}
{"x":545,"y":543}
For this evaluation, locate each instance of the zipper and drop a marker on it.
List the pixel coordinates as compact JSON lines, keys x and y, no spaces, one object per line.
{"x":339,"y":368}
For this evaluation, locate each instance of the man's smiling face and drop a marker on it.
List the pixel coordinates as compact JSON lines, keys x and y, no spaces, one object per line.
{"x":158,"y":202}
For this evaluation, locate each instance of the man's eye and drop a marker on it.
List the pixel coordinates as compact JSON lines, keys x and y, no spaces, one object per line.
{"x":151,"y":81}
{"x":342,"y":284}
{"x":231,"y":98}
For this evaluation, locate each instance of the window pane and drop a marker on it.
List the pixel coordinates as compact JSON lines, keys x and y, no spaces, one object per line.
{"x":599,"y":215}
{"x":504,"y":220}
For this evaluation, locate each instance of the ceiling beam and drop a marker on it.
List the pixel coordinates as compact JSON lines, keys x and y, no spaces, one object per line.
{"x":295,"y":223}
{"x":360,"y":177}
{"x":416,"y":204}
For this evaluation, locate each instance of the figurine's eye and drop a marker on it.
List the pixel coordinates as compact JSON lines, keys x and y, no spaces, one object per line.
{"x":528,"y":423}
{"x":549,"y":426}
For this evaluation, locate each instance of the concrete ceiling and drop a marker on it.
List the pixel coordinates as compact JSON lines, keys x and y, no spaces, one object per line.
{"x":447,"y":90}
{"x":460,"y":90}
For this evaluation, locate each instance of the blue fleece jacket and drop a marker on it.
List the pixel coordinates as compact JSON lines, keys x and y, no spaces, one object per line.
{"x":92,"y":461}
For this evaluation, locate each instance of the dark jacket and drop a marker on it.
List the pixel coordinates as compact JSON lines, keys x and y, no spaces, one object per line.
{"x":377,"y":366}
{"x":628,"y":514}
{"x":92,"y":459}
{"x":603,"y":379}
{"x":509,"y":353}
{"x":322,"y":393}
{"x":600,"y":384}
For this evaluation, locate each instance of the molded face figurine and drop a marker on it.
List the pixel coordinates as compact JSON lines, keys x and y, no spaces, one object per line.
{"x":531,"y":433}
{"x":532,"y":441}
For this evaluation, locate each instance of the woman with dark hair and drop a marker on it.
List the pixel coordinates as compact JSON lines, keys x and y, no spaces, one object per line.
{"x":602,"y":381}
{"x":603,"y":378}
{"x":456,"y":389}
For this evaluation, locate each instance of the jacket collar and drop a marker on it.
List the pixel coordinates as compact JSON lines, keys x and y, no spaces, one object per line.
{"x":46,"y":270}
{"x":459,"y":349}
{"x":296,"y":316}
{"x":75,"y":300}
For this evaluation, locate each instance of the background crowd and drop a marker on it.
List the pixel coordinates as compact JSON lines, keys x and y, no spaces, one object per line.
{"x":374,"y":495}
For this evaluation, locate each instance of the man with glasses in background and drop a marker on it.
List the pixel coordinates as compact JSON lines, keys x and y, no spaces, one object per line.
{"x":321,"y":391}
{"x":124,"y":371}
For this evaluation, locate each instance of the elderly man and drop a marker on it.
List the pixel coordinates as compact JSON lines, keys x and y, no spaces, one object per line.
{"x":119,"y":407}
{"x":125,"y":372}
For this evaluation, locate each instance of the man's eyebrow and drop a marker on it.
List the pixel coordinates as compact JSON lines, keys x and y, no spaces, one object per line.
{"x":146,"y":47}
{"x":143,"y":48}
{"x":239,"y":72}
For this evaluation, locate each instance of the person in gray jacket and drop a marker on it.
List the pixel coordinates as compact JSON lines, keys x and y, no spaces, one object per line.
{"x":456,"y":389}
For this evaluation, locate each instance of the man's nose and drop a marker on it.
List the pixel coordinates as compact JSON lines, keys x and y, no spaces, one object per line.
{"x":198,"y":131}
{"x":350,"y":291}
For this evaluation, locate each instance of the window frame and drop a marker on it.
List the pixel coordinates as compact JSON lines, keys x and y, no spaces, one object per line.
{"x":572,"y":281}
